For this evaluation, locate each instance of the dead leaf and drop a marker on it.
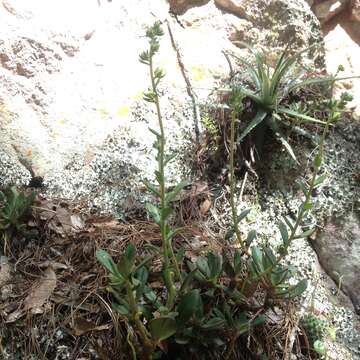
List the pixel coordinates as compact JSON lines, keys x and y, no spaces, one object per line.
{"x":6,"y":285}
{"x":55,"y":265}
{"x":17,"y":314}
{"x":41,"y":292}
{"x":77,"y":222}
{"x":205,"y":206}
{"x":83,"y":326}
{"x":5,"y":271}
{"x":58,"y":217}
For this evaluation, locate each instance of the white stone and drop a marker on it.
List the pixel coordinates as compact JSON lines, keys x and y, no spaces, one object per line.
{"x":342,"y":49}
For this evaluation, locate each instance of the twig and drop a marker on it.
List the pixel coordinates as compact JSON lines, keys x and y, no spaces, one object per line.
{"x":189,"y":88}
{"x":232,"y":73}
{"x":243,"y":186}
{"x":291,"y":338}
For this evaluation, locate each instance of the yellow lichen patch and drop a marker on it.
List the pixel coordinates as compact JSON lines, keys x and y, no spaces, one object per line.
{"x":138,"y":96}
{"x":198,"y":73}
{"x":123,"y":111}
{"x":61,"y":121}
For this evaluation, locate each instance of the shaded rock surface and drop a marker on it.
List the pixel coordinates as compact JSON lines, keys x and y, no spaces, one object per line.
{"x":325,"y":10}
{"x":338,"y":248}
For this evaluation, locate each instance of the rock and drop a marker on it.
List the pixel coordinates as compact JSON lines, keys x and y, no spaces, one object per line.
{"x":71,"y":90}
{"x":338,"y":249}
{"x":327,"y":9}
{"x":342,"y":47}
{"x":179,"y":7}
{"x":355,"y":10}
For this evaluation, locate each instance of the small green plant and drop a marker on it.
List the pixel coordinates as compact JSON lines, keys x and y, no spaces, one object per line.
{"x":270,"y":88}
{"x":14,"y":208}
{"x":205,"y":307}
{"x":316,"y":329}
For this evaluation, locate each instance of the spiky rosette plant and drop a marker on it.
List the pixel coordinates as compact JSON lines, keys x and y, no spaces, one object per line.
{"x":270,"y":87}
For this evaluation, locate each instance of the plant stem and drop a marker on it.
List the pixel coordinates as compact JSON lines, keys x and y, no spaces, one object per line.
{"x":160,"y":166}
{"x":305,"y":202}
{"x":145,"y":336}
{"x":166,"y":240}
{"x":232,"y":181}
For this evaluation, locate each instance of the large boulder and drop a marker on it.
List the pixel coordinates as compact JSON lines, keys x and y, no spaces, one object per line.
{"x":71,"y":108}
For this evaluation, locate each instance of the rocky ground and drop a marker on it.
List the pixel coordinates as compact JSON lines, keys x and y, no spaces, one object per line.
{"x":72,"y":114}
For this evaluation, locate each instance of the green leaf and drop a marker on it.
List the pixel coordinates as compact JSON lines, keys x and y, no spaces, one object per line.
{"x":250,"y":238}
{"x":173,"y":233}
{"x":120,"y":308}
{"x":242,"y":215}
{"x":259,"y":117}
{"x":170,"y":196}
{"x":317,"y":161}
{"x":293,"y":291}
{"x":157,"y":134}
{"x":203,"y":266}
{"x":320,"y":347}
{"x":288,"y":223}
{"x":305,"y":234}
{"x":127,"y":261}
{"x":166,"y":212}
{"x":180,"y":255}
{"x":188,"y":306}
{"x":130,"y":253}
{"x":215,"y":265}
{"x":159,"y":177}
{"x":280,"y":136}
{"x":168,"y":158}
{"x":106,"y":260}
{"x":269,"y":259}
{"x":257,"y":257}
{"x":162,"y":328}
{"x":319,"y":180}
{"x":144,"y":58}
{"x":307,"y":206}
{"x":154,"y":212}
{"x":303,"y":117}
{"x":320,"y":80}
{"x":151,"y":188}
{"x":228,"y":268}
{"x":237,"y":261}
{"x":215,"y":323}
{"x":185,"y":285}
{"x":142,"y":276}
{"x":278,"y":276}
{"x":332,"y":332}
{"x":303,"y":186}
{"x":284,"y":232}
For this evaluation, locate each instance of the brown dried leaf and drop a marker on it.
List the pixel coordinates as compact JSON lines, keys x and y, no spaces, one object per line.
{"x":77,"y":222}
{"x":41,"y":292}
{"x":6,"y":283}
{"x":17,"y":314}
{"x":5,"y":271}
{"x":82,"y":326}
{"x":55,"y":265}
{"x":205,"y":207}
